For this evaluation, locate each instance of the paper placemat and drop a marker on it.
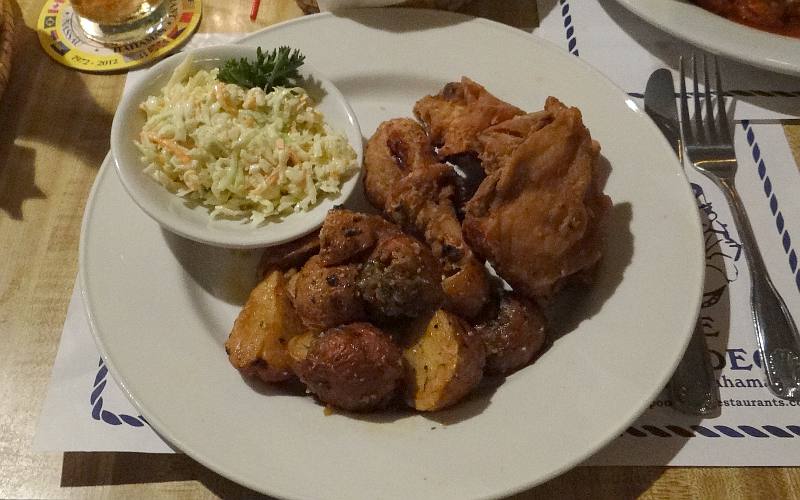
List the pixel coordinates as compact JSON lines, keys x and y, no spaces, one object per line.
{"x":754,"y":428}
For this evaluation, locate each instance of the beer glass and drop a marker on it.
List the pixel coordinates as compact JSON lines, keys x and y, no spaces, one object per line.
{"x":118,"y":22}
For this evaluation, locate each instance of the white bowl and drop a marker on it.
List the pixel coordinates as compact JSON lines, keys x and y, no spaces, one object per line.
{"x":194,"y":222}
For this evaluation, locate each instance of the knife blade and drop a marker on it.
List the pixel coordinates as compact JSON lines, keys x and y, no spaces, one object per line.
{"x":659,"y":104}
{"x":693,"y":387}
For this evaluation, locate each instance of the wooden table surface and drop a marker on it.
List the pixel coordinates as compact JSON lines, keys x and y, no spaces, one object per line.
{"x":54,"y":133}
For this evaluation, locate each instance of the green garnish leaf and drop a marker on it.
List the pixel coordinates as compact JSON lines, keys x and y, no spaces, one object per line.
{"x":275,"y":69}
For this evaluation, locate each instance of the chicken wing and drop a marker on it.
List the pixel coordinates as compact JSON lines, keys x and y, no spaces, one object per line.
{"x":455,"y":116}
{"x":538,"y":218}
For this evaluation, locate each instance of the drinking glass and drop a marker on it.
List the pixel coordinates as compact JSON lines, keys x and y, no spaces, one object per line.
{"x":117,"y":22}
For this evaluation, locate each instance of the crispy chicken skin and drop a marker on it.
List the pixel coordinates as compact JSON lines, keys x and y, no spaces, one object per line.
{"x":458,"y":113}
{"x":404,"y":180}
{"x":498,"y":142}
{"x":401,"y":279}
{"x":513,"y":334}
{"x":325,"y":297}
{"x":355,"y":367}
{"x":539,"y":218}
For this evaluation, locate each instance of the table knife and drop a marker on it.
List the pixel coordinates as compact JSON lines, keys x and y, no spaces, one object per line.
{"x":693,"y":387}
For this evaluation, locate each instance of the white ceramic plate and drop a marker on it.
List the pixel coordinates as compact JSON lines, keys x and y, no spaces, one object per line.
{"x":161,"y":307}
{"x":193,"y":221}
{"x":718,"y":35}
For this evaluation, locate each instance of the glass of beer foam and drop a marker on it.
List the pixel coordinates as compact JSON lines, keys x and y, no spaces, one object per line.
{"x":120,"y":22}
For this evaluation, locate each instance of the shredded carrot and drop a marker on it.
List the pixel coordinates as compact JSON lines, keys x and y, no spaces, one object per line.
{"x":173,"y":147}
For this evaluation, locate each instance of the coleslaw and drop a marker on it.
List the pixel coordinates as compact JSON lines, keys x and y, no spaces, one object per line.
{"x":242,"y":153}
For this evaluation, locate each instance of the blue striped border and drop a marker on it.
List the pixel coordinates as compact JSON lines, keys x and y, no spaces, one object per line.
{"x":780,"y":224}
{"x":715,"y":431}
{"x":572,"y":42}
{"x":96,"y":402}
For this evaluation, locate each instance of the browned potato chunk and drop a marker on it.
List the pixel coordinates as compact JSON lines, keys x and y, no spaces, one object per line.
{"x":513,"y":336}
{"x":266,"y":323}
{"x":444,"y":362}
{"x":348,"y":236}
{"x":401,"y":279}
{"x":327,"y":296}
{"x":292,"y":254}
{"x":355,"y":367}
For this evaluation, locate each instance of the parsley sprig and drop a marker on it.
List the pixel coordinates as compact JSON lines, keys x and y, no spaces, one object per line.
{"x":278,"y":68}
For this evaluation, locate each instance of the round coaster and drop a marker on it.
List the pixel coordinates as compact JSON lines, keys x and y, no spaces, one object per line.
{"x":64,"y":41}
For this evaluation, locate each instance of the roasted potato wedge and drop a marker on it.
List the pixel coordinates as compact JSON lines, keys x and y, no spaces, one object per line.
{"x":298,"y":347}
{"x":257,"y":344}
{"x":444,"y":361}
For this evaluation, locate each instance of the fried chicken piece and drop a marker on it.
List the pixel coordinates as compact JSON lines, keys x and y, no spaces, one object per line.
{"x":403,"y":178}
{"x":539,"y":218}
{"x":498,"y":142}
{"x":458,"y":113}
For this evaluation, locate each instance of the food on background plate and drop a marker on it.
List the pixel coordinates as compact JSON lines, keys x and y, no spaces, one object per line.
{"x":402,"y":308}
{"x":777,"y":16}
{"x":244,"y":140}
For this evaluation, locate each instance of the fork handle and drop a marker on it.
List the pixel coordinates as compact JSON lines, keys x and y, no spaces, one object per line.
{"x":775,"y":329}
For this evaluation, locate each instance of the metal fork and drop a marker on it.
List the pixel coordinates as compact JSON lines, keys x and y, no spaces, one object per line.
{"x":709,"y":147}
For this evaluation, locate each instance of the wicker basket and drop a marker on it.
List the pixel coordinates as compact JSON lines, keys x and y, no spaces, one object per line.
{"x":310,"y":6}
{"x":6,"y":37}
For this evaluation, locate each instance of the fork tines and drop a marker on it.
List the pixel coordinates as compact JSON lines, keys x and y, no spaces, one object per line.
{"x":711,"y":130}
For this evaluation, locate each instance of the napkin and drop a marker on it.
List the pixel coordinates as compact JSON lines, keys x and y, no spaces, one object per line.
{"x":627,"y":49}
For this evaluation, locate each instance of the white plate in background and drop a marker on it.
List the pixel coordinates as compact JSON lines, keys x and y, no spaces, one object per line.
{"x":718,"y":35}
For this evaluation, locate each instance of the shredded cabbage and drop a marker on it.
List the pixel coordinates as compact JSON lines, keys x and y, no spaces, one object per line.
{"x":243,"y":153}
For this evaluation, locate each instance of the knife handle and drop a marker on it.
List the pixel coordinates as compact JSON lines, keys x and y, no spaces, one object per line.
{"x":693,"y":387}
